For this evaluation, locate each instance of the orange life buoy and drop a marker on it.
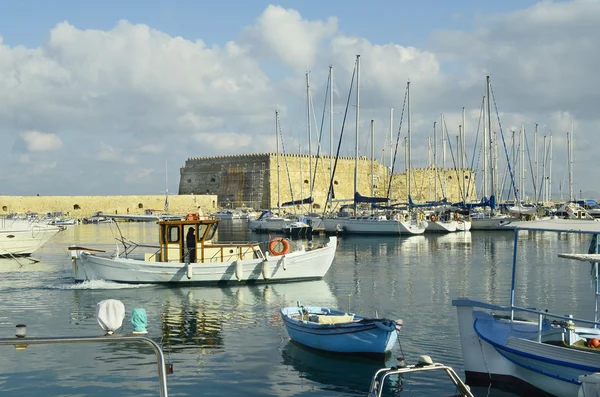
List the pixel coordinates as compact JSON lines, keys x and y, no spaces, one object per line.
{"x":193,"y":217}
{"x":285,"y":246}
{"x":456,"y":217}
{"x":433,"y":218}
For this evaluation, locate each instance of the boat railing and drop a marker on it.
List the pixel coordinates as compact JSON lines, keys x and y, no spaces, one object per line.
{"x":541,"y":314}
{"x":425,"y":364}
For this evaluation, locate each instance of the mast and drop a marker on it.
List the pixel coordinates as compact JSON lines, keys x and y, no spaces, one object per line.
{"x":492,"y":140}
{"x":309,"y":134}
{"x":545,"y":181}
{"x":463,"y":154}
{"x":522,"y":163}
{"x":357,"y":129}
{"x":391,"y":149}
{"x":409,"y":139}
{"x":435,"y":195}
{"x":406,"y":159}
{"x":166,"y":187}
{"x":444,"y":188}
{"x":550,"y":172}
{"x":570,"y":148}
{"x":277,"y":142}
{"x":330,"y":131}
{"x":301,"y":180}
{"x":536,"y":177}
{"x":485,"y":153}
{"x":372,"y":158}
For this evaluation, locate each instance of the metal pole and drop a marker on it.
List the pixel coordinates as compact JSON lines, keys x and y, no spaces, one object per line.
{"x":357,"y":130}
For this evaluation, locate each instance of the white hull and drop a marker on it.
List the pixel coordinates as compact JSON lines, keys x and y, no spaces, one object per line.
{"x":442,"y":226}
{"x":520,"y":210}
{"x":22,"y":238}
{"x":513,"y":361}
{"x":298,"y":265}
{"x":269,"y":225}
{"x":490,"y":223}
{"x":463,"y":226}
{"x":373,"y":226}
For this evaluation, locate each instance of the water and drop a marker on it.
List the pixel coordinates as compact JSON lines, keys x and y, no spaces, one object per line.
{"x":226,"y":341}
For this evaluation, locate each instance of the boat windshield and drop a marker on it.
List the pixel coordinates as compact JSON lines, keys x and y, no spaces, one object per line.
{"x":211,"y":232}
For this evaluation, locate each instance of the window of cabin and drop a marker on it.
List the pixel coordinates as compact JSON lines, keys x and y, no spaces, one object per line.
{"x":173,"y":236}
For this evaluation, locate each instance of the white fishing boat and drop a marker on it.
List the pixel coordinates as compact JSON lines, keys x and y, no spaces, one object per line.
{"x":535,"y":350}
{"x":179,"y":259}
{"x":23,"y":238}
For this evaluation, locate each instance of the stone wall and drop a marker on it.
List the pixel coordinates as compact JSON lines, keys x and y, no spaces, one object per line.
{"x":82,"y":206}
{"x":252,"y":180}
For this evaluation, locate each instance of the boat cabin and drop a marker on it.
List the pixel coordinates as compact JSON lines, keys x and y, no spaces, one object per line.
{"x":190,"y":241}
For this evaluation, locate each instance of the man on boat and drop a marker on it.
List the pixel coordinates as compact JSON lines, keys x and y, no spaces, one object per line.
{"x":190,"y":242}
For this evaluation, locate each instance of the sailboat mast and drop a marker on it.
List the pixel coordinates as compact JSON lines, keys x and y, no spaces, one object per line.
{"x":522,"y":163}
{"x":277,"y":143}
{"x":570,"y":147}
{"x":492,"y":140}
{"x":310,"y":187}
{"x":545,"y":184}
{"x":357,"y":129}
{"x":166,"y":187}
{"x":550,"y":172}
{"x":537,"y":169}
{"x":391,"y":149}
{"x":435,"y":195}
{"x":429,"y":166}
{"x":443,"y":154}
{"x":409,"y":138}
{"x":463,"y":154}
{"x":484,"y":150}
{"x":330,"y":130}
{"x":372,"y":158}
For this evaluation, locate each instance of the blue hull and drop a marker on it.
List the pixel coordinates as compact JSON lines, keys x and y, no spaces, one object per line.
{"x":372,"y":337}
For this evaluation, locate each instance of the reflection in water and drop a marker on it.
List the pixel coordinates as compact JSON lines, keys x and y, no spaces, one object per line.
{"x":340,"y":374}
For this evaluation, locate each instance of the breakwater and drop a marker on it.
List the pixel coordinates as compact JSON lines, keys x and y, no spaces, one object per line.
{"x":82,"y":206}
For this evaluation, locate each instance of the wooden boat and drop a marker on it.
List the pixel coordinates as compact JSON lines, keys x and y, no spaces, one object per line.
{"x":201,"y":260}
{"x":534,"y":350}
{"x":338,"y":332}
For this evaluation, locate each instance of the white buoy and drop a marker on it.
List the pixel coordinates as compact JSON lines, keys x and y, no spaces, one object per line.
{"x":283,"y":264}
{"x":189,"y":270}
{"x":266,"y":270}
{"x":239,"y":270}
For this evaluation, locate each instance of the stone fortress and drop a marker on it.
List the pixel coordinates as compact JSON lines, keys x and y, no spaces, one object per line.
{"x":251,"y":180}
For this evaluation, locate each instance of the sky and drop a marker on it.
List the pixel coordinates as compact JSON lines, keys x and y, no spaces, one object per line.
{"x":111,"y":98}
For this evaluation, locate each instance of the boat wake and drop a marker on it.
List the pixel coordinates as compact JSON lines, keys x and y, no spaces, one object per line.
{"x":97,"y":285}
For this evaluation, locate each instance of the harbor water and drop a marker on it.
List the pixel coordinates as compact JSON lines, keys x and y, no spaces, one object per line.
{"x":230,"y":341}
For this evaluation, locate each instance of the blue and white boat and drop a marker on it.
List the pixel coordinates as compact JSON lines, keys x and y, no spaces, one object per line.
{"x":529,"y":349}
{"x":338,"y":332}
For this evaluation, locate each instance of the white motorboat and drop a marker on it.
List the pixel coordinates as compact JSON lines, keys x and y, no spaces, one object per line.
{"x":269,"y":222}
{"x":489,"y":221}
{"x":23,"y":238}
{"x":535,"y":349}
{"x":179,"y":259}
{"x":442,"y":223}
{"x":226,"y":214}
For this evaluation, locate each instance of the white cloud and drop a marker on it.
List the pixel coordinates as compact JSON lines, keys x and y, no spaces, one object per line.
{"x":41,"y":142}
{"x":111,"y":154}
{"x":122,"y":95}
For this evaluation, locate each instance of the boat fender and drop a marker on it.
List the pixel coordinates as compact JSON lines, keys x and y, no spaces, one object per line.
{"x":239,"y":270}
{"x":276,"y":243}
{"x":386,"y":325}
{"x":189,"y":270}
{"x":283,"y":263}
{"x":266,"y":270}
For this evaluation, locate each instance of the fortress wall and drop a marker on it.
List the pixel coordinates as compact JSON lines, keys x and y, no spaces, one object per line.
{"x":82,"y":206}
{"x":251,"y":180}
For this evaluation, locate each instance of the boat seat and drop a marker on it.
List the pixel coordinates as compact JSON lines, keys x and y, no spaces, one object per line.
{"x":325,"y":319}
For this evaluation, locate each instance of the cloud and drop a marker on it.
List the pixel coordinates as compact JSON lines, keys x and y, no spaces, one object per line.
{"x":41,"y":142}
{"x":111,"y":154}
{"x":120,"y":96}
{"x":283,"y":35}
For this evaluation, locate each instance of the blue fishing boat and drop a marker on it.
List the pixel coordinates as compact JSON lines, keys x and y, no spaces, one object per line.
{"x":338,"y":332}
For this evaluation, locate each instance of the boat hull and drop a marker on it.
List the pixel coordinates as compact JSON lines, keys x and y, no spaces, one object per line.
{"x":373,"y":226}
{"x":298,"y":265}
{"x":372,"y":339}
{"x":506,"y":354}
{"x":24,"y":240}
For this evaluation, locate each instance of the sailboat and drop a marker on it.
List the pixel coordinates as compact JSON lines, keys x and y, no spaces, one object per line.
{"x":489,"y":219}
{"x":381,"y":224}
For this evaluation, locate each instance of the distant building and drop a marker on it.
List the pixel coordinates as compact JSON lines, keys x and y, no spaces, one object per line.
{"x":251,"y":180}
